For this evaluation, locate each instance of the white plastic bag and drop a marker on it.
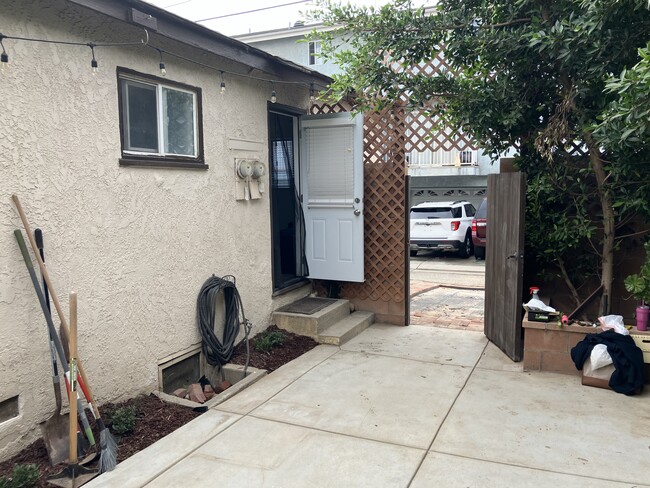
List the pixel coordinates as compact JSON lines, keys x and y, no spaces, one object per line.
{"x":613,"y":322}
{"x":536,"y":305}
{"x":600,"y":357}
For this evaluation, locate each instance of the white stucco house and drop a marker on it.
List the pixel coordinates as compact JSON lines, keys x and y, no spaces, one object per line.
{"x":131,"y":173}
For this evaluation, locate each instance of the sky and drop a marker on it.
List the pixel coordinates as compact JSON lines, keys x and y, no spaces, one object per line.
{"x":263,"y":20}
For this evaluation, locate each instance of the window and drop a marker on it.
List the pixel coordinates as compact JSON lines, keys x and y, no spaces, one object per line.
{"x":160,"y":122}
{"x":314,"y":53}
{"x":470,"y":211}
{"x":436,"y":212}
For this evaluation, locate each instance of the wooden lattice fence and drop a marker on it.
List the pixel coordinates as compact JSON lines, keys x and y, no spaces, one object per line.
{"x":385,"y":216}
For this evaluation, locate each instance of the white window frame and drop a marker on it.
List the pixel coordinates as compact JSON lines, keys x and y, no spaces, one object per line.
{"x":161,"y":157}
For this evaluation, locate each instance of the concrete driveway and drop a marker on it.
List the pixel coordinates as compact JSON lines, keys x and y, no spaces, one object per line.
{"x":405,"y":407}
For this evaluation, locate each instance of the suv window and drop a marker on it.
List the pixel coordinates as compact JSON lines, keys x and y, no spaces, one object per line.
{"x":469,"y":210}
{"x":482,"y":210}
{"x":436,"y":213}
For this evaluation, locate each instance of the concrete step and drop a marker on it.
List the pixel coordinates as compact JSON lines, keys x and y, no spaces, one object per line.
{"x":347,"y":328}
{"x":312,"y":325}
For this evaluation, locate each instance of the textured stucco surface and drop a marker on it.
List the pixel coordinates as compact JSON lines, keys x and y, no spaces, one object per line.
{"x":136,"y":244}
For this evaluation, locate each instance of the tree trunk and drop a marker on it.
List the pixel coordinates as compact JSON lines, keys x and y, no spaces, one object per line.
{"x":609,"y":228}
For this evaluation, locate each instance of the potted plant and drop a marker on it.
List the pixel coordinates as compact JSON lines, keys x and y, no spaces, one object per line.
{"x":639,"y":285}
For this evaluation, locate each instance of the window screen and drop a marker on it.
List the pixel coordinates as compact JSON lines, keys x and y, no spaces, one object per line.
{"x":331,"y":157}
{"x":142,"y":115}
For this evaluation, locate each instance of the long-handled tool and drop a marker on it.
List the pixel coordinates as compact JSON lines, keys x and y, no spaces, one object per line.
{"x":55,"y":429}
{"x":73,"y":475}
{"x":56,"y":433}
{"x":108,"y":445}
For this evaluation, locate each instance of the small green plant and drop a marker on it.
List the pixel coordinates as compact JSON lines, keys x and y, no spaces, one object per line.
{"x":123,"y":419}
{"x":267,"y":340}
{"x":23,"y":476}
{"x":639,"y":284}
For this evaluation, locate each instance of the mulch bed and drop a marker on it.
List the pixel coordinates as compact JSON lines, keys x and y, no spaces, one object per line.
{"x":293,"y":346}
{"x":154,"y":418}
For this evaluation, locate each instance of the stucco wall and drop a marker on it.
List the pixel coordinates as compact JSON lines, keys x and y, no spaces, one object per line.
{"x":136,"y":244}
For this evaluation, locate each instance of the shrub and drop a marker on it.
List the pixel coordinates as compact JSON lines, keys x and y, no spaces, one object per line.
{"x":123,"y":419}
{"x":23,"y":476}
{"x":267,"y":340}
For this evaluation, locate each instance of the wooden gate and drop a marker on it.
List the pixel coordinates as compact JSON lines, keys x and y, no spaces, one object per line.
{"x":505,"y":262}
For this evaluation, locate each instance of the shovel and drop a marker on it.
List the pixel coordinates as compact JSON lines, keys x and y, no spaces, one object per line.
{"x":73,"y":475}
{"x":55,"y":429}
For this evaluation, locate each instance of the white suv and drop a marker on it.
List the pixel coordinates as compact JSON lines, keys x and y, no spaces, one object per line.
{"x":443,"y":226}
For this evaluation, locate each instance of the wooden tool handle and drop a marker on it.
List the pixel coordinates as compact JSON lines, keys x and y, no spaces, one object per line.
{"x":73,"y":388}
{"x":53,"y":295}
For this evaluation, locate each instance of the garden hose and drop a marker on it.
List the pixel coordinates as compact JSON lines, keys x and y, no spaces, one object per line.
{"x":218,"y":352}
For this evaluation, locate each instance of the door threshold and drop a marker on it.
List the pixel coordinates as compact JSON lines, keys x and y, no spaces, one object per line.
{"x":302,"y":282}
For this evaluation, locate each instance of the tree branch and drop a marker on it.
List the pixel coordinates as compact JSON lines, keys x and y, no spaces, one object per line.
{"x":568,"y":281}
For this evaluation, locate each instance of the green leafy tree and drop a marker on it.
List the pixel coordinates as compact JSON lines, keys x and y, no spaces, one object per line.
{"x":536,"y":75}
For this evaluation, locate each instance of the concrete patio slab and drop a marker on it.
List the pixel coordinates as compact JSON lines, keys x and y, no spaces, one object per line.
{"x":444,"y":471}
{"x":144,"y":466}
{"x":430,"y":344}
{"x":268,"y":386}
{"x":374,"y":397}
{"x":495,"y":359}
{"x":257,"y":453}
{"x":550,"y":422}
{"x":412,"y":407}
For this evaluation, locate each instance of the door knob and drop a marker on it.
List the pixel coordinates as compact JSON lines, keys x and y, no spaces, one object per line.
{"x":357,"y":212}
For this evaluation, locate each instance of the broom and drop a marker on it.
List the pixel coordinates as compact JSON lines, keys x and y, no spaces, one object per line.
{"x":107,"y":443}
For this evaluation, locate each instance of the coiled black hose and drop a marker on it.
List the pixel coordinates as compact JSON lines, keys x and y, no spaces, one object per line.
{"x":218,"y":352}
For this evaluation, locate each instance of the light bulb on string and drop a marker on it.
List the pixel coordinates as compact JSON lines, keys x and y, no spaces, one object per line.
{"x":312,"y":97}
{"x":163,"y":71}
{"x":93,"y":63}
{"x":274,"y":96}
{"x":4,"y":57}
{"x":223,"y":84}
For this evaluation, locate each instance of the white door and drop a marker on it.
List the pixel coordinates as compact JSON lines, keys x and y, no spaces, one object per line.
{"x":332,"y":195}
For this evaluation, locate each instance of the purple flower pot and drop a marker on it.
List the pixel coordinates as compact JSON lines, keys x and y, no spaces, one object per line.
{"x":642,"y":314}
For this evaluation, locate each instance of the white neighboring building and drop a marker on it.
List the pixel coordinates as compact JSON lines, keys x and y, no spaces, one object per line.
{"x":291,"y":43}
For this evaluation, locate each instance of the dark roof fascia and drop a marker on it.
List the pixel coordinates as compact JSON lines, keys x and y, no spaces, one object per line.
{"x":195,"y":35}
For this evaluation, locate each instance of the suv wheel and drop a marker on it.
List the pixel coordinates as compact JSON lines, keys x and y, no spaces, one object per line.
{"x":413,"y":253}
{"x":479,"y":253}
{"x":466,"y":248}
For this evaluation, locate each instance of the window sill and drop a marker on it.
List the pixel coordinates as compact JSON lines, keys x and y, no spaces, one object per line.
{"x":166,"y":163}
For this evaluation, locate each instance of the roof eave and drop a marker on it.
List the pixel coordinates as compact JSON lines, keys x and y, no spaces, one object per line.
{"x":187,"y":32}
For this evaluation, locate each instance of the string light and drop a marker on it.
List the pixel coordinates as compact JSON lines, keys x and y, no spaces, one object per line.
{"x":93,"y":63}
{"x":312,"y":97}
{"x":4,"y":57}
{"x":163,"y":71}
{"x":4,"y":60}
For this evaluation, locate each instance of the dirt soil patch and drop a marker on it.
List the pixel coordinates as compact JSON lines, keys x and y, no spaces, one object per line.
{"x":154,"y":418}
{"x":292,"y":347}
